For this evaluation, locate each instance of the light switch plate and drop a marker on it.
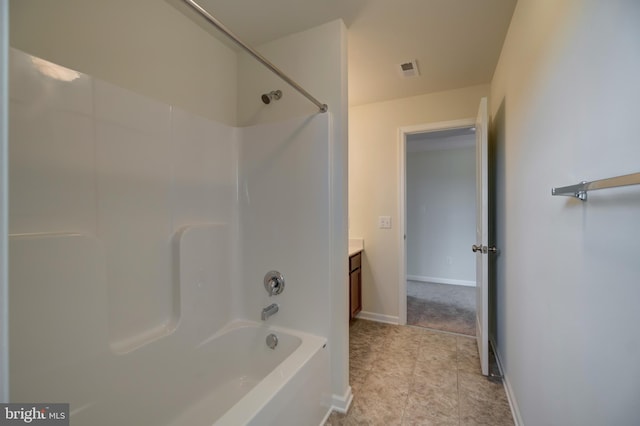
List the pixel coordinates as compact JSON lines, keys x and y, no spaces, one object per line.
{"x":384,"y":222}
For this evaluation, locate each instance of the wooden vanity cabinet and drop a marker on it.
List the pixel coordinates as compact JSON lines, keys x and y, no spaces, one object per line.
{"x":355,"y":285}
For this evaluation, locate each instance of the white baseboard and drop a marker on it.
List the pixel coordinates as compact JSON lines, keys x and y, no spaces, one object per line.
{"x":326,"y":417}
{"x":438,"y":280}
{"x":341,"y":403}
{"x":513,"y":404}
{"x":372,"y":316}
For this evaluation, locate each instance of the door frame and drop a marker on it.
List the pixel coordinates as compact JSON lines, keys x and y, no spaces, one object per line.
{"x":403,"y":132}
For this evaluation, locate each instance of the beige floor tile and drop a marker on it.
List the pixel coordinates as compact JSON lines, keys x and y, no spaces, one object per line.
{"x":431,"y":406}
{"x":425,"y":376}
{"x":437,"y":357}
{"x":476,"y":411}
{"x":369,"y":337}
{"x":373,"y":326}
{"x":386,"y":387}
{"x":402,"y":342}
{"x":482,"y":401}
{"x":480,"y":387}
{"x":362,"y":358}
{"x":357,"y":378}
{"x":467,"y":345}
{"x":397,"y":366}
{"x":469,"y":363}
{"x":407,"y":332}
{"x":359,"y":343}
{"x":409,"y":376}
{"x":442,"y":340}
{"x":373,"y":410}
{"x":335,"y":419}
{"x":341,"y":419}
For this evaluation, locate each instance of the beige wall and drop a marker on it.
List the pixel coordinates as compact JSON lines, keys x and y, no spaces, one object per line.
{"x":373,"y":182}
{"x":146,"y":46}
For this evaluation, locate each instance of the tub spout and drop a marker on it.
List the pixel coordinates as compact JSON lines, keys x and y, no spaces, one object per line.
{"x":269,"y":310}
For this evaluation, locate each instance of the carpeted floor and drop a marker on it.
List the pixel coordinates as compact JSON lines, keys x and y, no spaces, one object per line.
{"x":443,"y":307}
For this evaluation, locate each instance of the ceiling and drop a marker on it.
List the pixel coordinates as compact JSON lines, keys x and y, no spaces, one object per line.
{"x":456,"y":42}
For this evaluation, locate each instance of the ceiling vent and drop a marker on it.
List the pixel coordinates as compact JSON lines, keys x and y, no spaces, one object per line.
{"x":409,"y":69}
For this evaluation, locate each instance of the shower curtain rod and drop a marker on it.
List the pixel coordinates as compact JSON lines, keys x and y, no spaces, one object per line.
{"x":220,"y":26}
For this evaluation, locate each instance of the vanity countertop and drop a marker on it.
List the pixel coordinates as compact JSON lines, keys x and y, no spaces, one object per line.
{"x":356,"y":245}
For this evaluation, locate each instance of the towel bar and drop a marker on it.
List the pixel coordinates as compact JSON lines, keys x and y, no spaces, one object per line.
{"x":580,"y":190}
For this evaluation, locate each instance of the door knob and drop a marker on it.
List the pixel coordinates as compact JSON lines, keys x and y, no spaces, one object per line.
{"x":484,"y":249}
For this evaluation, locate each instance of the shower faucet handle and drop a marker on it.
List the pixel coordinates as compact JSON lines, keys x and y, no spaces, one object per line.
{"x":274,"y":283}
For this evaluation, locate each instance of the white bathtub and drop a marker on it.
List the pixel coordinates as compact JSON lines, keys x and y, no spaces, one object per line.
{"x":251,"y":384}
{"x":231,"y":379}
{"x":185,"y":376}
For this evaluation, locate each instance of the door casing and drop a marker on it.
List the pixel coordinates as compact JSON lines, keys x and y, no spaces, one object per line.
{"x":403,"y":132}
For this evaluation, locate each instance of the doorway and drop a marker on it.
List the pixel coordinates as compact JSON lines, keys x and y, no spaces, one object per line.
{"x":438,"y":189}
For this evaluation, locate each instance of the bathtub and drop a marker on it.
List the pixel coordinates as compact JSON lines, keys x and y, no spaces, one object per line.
{"x":231,"y":379}
{"x":184,"y":377}
{"x":252,"y":384}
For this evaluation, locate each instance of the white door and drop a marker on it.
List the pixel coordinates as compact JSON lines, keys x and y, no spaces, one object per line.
{"x":481,"y":247}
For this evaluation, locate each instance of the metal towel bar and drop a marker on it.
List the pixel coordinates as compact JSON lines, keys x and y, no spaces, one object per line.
{"x":580,"y":190}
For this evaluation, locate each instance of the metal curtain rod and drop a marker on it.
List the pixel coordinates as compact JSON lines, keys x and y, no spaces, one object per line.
{"x":580,"y":190}
{"x":220,"y":26}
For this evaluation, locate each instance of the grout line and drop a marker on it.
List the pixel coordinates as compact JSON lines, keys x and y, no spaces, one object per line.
{"x":435,"y":330}
{"x":411,"y":382}
{"x":404,"y":409}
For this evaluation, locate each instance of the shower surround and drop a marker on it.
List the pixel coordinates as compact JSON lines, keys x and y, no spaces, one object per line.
{"x":140,"y":230}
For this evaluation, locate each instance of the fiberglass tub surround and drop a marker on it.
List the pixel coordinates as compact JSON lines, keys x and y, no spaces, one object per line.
{"x":140,"y":236}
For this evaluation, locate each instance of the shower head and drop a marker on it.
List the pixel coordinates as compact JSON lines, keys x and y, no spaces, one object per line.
{"x":268,"y":97}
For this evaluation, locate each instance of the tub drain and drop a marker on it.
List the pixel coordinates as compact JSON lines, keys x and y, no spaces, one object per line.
{"x":272,"y":341}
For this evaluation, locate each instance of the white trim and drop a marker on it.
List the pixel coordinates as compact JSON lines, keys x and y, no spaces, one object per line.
{"x":341,"y":403}
{"x":437,"y":280}
{"x":402,"y":218}
{"x":441,"y":125}
{"x":326,"y":417}
{"x":442,"y":144}
{"x":511,"y":397}
{"x":372,"y":316}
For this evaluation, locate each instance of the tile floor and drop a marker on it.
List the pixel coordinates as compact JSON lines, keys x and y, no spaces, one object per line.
{"x":404,"y":375}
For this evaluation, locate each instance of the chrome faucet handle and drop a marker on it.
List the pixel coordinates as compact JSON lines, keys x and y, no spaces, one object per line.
{"x":274,"y":283}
